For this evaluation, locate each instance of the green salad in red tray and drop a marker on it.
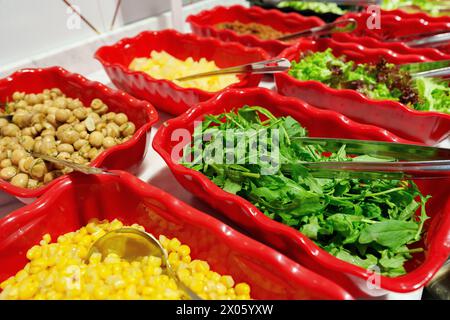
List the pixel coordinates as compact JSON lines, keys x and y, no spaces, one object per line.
{"x":381,"y":81}
{"x":369,"y":223}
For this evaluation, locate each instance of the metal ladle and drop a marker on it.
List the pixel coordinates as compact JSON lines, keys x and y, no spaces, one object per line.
{"x":131,"y":244}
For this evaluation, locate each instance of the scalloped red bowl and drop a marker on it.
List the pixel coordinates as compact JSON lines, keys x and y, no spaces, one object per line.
{"x":164,"y":94}
{"x":204,"y":23}
{"x":79,"y":198}
{"x":393,"y":25}
{"x":325,"y":123}
{"x":416,"y":15}
{"x":126,"y":156}
{"x":423,"y":127}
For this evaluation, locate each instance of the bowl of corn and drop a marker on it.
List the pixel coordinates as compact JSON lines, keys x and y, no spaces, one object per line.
{"x":44,"y":248}
{"x":148,"y":65}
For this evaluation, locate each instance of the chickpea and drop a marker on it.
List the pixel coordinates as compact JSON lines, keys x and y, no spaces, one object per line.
{"x":38,"y":169}
{"x":70,"y":136}
{"x":18,"y":96}
{"x":109,"y":142}
{"x":79,"y":127}
{"x":32,"y":183}
{"x":22,"y":119}
{"x":92,"y":154}
{"x":77,"y":158}
{"x":65,"y":147}
{"x":37,"y":118}
{"x":49,"y":176}
{"x":39,"y":127}
{"x":75,"y":104}
{"x":17,"y":155}
{"x":62,"y":115}
{"x":120,"y":118}
{"x":81,"y":113}
{"x":96,"y":139}
{"x":96,"y":104}
{"x":128,"y":129}
{"x":31,"y":99}
{"x":21,"y":104}
{"x":10,"y":130}
{"x":48,"y":132}
{"x":20,"y":180}
{"x":27,"y":142}
{"x":5,"y":163}
{"x":84,"y":150}
{"x":3,"y":122}
{"x":80,"y":143}
{"x":112,"y":130}
{"x":90,"y":123}
{"x":60,"y":103}
{"x":37,"y":145}
{"x":8,"y":172}
{"x":25,"y":164}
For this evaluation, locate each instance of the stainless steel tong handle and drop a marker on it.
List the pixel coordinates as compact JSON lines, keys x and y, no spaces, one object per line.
{"x":266,"y":66}
{"x":436,"y":73}
{"x":346,"y":25}
{"x":75,"y":166}
{"x":437,"y":169}
{"x":431,"y":41}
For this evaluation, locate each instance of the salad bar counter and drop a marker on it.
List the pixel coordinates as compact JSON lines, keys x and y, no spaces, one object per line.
{"x":316,"y":144}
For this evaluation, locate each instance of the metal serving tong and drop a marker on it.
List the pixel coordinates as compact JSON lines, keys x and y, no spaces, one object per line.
{"x":428,"y":69}
{"x":429,"y":39}
{"x":266,"y":67}
{"x":420,"y":162}
{"x":346,"y":25}
{"x":75,"y":166}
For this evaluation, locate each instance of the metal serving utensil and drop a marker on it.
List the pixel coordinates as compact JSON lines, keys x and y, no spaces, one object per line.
{"x":347,"y":25}
{"x":431,"y":41}
{"x":266,"y":67}
{"x":422,"y":162}
{"x":75,"y":166}
{"x":131,"y":244}
{"x":400,"y":151}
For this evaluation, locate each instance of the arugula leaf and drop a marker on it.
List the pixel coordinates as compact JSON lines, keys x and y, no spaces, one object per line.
{"x":389,"y":233}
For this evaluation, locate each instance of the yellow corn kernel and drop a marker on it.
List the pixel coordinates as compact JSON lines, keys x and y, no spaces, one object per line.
{"x":242,"y":289}
{"x":184,"y":250}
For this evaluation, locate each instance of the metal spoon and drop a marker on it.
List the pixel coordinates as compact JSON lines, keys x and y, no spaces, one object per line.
{"x":346,"y":25}
{"x":131,"y":244}
{"x":265,"y":66}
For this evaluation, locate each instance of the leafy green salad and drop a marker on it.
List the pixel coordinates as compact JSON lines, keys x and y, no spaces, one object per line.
{"x":365,"y":222}
{"x":319,"y":7}
{"x":381,"y":81}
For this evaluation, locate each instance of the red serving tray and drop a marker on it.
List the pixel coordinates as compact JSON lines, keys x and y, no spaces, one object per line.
{"x":418,"y":126}
{"x":78,"y":198}
{"x":393,"y":26}
{"x":126,"y":156}
{"x":323,"y":123}
{"x":164,"y":94}
{"x":203,"y":24}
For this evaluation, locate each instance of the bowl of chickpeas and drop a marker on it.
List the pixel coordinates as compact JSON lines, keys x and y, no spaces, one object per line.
{"x":44,"y":249}
{"x":60,"y":114}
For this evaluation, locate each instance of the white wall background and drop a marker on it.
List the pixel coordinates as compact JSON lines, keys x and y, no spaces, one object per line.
{"x":32,"y":27}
